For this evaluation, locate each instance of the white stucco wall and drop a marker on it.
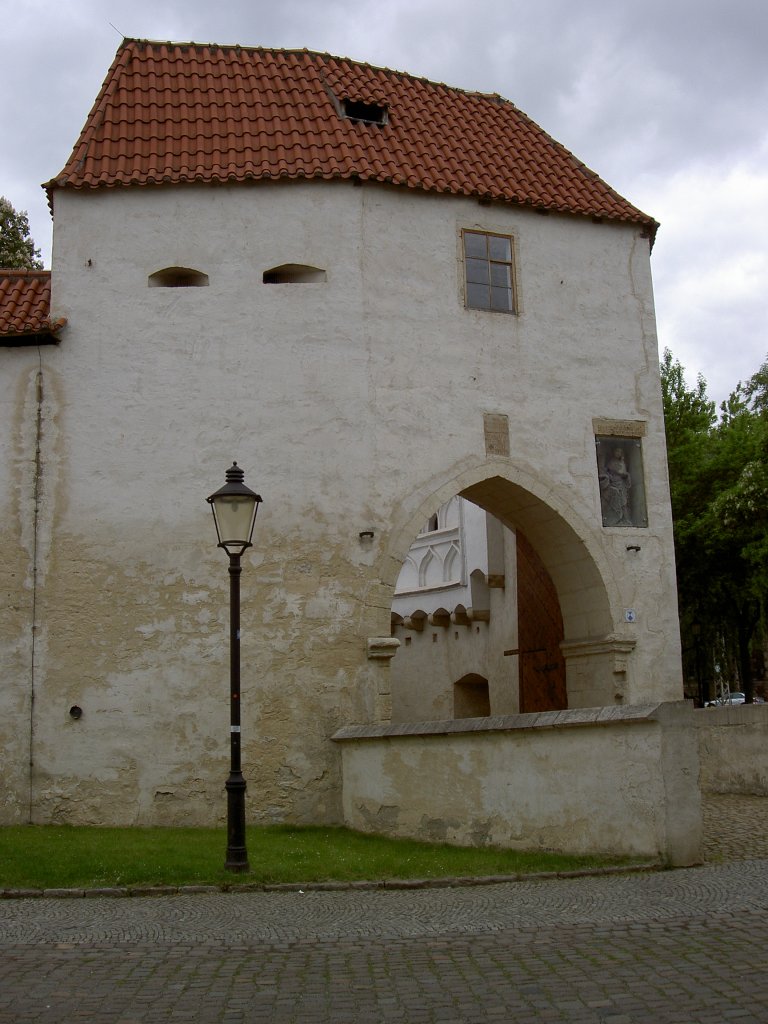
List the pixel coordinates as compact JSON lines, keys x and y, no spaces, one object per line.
{"x":353,"y":404}
{"x":21,"y":488}
{"x":733,"y":747}
{"x":531,"y":781}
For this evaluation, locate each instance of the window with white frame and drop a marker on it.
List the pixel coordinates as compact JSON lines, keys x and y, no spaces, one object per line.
{"x":489,"y":271}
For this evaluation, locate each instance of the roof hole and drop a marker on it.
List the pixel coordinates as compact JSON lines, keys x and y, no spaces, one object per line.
{"x":370,"y":113}
{"x":294,"y":273}
{"x":177,"y":277}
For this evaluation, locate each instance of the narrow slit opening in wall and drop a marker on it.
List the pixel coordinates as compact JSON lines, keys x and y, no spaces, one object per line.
{"x":294,"y":273}
{"x":178,"y":277}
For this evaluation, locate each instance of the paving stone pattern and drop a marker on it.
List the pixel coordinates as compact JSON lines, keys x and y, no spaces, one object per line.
{"x":665,"y":947}
{"x":735,"y":828}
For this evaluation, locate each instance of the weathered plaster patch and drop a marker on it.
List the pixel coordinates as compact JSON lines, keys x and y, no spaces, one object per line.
{"x":436,"y":830}
{"x":380,"y":818}
{"x":105,"y":655}
{"x":150,"y":629}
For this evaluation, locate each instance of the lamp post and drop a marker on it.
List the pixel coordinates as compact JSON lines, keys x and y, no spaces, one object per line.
{"x":234,"y":508}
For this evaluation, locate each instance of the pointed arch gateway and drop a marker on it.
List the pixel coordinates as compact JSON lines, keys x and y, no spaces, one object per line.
{"x":579,"y":583}
{"x":589,"y":646}
{"x":561,"y":551}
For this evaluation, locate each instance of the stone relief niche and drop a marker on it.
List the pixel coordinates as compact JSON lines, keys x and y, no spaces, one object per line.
{"x":621,"y":481}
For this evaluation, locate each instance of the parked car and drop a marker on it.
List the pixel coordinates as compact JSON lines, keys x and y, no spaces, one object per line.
{"x":735,"y":697}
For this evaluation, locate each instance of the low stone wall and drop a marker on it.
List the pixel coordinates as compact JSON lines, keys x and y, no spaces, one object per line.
{"x":733,"y":749}
{"x":614,"y":780}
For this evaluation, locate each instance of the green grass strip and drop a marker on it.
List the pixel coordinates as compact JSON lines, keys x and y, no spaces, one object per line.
{"x":52,"y":857}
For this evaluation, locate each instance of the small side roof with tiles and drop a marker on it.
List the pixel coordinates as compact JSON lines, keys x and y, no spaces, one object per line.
{"x":25,"y":308}
{"x":178,"y":113}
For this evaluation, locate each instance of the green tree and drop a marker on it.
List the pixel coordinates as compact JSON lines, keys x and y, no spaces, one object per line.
{"x":689,"y":418}
{"x":719,"y":487}
{"x":17,"y":250}
{"x":739,"y":514}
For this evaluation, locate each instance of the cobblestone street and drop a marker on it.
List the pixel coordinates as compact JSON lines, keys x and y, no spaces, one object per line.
{"x":682,"y":946}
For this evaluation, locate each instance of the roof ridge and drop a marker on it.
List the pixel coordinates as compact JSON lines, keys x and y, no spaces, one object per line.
{"x":272,"y":118}
{"x":326,"y":55}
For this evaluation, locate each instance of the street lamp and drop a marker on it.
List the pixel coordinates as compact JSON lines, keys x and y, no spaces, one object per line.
{"x":234,"y":508}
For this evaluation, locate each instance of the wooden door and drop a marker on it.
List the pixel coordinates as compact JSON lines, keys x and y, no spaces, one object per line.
{"x":540,"y":632}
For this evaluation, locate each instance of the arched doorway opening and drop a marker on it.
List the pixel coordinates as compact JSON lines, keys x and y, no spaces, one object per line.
{"x":470,"y":697}
{"x":478,"y":620}
{"x":539,"y":605}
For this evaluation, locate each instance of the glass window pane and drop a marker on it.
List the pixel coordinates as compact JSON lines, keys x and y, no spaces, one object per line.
{"x":477,"y":271}
{"x":501,"y":298}
{"x":501,"y":275}
{"x":475,"y":244}
{"x":500,"y":248}
{"x":478,"y":297}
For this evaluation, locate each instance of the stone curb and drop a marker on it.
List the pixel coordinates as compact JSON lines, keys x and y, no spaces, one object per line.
{"x":383,"y":884}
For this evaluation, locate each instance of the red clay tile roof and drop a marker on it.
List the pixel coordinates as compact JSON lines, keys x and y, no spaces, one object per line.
{"x":25,"y":304}
{"x":172,"y":113}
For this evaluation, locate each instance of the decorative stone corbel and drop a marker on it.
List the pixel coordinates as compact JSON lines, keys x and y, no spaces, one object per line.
{"x":414,"y":622}
{"x":382,"y":648}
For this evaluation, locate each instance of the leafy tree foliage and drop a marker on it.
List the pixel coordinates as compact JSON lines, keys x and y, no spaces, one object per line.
{"x":17,"y":250}
{"x":718,"y":469}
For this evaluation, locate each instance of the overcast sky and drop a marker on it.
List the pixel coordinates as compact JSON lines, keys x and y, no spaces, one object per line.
{"x":666,"y":99}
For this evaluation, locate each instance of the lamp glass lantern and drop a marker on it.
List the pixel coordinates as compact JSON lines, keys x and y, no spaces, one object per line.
{"x":234,"y":508}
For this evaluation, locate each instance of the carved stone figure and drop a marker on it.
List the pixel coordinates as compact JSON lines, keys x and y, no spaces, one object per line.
{"x":615,"y":485}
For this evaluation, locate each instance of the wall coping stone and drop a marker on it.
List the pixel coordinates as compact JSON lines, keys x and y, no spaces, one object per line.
{"x":727,"y":715}
{"x":621,"y":713}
